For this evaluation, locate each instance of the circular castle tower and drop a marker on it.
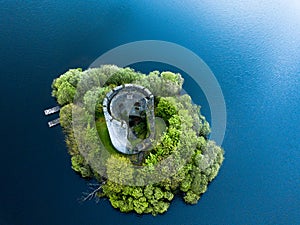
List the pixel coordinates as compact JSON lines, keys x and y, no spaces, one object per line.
{"x":129,"y":111}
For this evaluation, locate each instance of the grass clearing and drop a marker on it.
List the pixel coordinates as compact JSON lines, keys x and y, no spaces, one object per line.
{"x":104,"y":135}
{"x":160,"y":128}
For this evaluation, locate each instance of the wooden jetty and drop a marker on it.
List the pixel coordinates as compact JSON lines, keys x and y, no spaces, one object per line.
{"x":53,"y":122}
{"x":51,"y":110}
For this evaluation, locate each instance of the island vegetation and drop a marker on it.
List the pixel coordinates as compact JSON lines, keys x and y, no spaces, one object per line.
{"x":185,"y":135}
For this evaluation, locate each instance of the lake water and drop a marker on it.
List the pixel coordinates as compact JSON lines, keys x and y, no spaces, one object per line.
{"x":253,"y":48}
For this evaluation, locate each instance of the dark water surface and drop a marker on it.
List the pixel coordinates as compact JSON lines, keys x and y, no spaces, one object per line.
{"x":253,"y":48}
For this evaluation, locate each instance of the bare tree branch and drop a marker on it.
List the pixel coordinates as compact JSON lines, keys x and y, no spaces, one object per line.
{"x":94,"y":188}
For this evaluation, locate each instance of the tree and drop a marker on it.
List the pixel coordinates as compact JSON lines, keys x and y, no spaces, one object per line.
{"x":158,"y":194}
{"x":64,"y":87}
{"x":148,"y":192}
{"x":171,"y":83}
{"x":205,"y":128}
{"x":168,"y":195}
{"x":166,"y":108}
{"x":65,"y":93}
{"x":191,"y":198}
{"x":160,"y":207}
{"x":65,"y":116}
{"x":186,"y":183}
{"x":127,"y":204}
{"x":175,"y":78}
{"x":91,"y":100}
{"x":123,"y":76}
{"x":119,"y":169}
{"x":80,"y":166}
{"x":164,"y":84}
{"x":140,"y":205}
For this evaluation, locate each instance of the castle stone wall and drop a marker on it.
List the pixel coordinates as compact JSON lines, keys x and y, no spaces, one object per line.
{"x":117,"y":105}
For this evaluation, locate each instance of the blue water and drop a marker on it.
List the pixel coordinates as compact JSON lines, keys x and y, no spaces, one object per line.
{"x":253,"y":48}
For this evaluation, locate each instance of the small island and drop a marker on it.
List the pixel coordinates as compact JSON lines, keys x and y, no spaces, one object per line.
{"x":130,"y":125}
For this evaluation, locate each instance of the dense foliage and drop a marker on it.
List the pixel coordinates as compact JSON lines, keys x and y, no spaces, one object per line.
{"x":186,"y":138}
